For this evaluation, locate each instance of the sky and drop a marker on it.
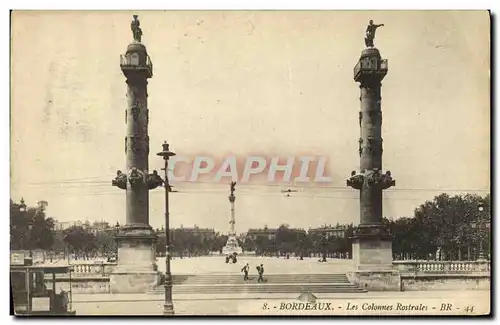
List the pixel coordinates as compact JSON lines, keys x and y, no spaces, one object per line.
{"x":273,"y":84}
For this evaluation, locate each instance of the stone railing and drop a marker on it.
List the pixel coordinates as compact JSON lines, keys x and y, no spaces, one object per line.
{"x":447,"y":267}
{"x":103,"y":269}
{"x":92,"y":269}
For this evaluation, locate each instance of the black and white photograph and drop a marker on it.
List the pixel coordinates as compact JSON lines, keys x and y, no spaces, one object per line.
{"x":250,"y":163}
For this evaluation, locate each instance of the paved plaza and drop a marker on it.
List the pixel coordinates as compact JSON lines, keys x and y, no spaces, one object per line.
{"x":272,"y":265}
{"x":258,"y":304}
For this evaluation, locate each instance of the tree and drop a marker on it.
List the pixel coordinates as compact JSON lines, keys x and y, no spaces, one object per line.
{"x":81,"y":241}
{"x":264,"y":245}
{"x":19,"y":225}
{"x":29,"y":227}
{"x":219,"y":242}
{"x":105,"y":242}
{"x":455,"y":226}
{"x":41,"y":233}
{"x":285,"y":239}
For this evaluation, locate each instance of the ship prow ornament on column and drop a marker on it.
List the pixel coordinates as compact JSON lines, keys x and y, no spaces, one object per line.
{"x":137,"y":271}
{"x":232,"y":246}
{"x":372,"y":242}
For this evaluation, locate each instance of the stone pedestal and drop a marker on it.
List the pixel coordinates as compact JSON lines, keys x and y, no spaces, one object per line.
{"x":377,"y":280}
{"x":137,"y":271}
{"x":232,"y":246}
{"x":372,"y":254}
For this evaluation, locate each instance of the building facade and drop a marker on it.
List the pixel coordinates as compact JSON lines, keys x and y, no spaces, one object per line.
{"x":329,"y":231}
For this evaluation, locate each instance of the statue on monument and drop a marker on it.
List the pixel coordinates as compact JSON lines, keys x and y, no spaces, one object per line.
{"x":356,"y":180}
{"x":136,"y":29}
{"x":154,"y":180}
{"x":135,"y":177}
{"x":233,"y":184}
{"x":370,"y":33}
{"x":120,"y":181}
{"x":376,"y":179}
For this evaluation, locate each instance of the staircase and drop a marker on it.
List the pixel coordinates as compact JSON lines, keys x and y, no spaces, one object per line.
{"x":275,"y":283}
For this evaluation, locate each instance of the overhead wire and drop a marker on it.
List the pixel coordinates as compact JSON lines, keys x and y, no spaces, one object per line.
{"x":103,"y":183}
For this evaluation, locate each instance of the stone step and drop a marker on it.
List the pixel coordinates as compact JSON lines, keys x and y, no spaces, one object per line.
{"x":262,"y":288}
{"x":271,"y":278}
{"x":217,"y":275}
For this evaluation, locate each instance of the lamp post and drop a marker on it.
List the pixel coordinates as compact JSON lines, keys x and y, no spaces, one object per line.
{"x":481,"y":226}
{"x":117,"y":232}
{"x":168,"y":307}
{"x":30,"y":227}
{"x":324,"y":243}
{"x":481,"y":252}
{"x":22,"y":209}
{"x":22,"y":206}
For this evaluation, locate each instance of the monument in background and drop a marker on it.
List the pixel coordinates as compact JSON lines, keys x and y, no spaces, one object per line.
{"x":232,"y":245}
{"x":137,"y":270}
{"x":372,"y":243}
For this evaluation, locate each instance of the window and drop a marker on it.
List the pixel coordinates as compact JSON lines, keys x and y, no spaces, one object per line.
{"x":134,"y":59}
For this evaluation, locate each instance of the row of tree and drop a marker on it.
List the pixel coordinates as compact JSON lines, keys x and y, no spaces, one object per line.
{"x":451,"y":228}
{"x":184,"y":242}
{"x":446,"y":228}
{"x":287,"y":241}
{"x":29,"y":227}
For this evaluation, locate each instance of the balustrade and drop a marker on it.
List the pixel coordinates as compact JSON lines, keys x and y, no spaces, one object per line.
{"x":92,"y":269}
{"x":436,"y":267}
{"x":135,"y":61}
{"x":447,"y":267}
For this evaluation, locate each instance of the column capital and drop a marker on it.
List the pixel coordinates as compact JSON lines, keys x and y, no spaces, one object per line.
{"x":370,"y":179}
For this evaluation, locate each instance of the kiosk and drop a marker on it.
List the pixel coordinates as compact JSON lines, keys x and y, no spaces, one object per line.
{"x":30,"y":294}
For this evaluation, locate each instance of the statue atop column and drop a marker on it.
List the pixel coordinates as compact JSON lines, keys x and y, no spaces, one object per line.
{"x":370,"y":33}
{"x":232,"y":246}
{"x":136,"y":29}
{"x":233,"y":184}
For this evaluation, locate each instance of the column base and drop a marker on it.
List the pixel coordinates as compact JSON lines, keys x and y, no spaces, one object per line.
{"x":168,"y":309}
{"x":133,"y":282}
{"x":372,"y":254}
{"x":136,"y":271}
{"x":232,"y":246}
{"x":372,"y":248}
{"x":377,"y":280}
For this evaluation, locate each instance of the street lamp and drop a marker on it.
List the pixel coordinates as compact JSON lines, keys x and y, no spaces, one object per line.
{"x":30,"y":226}
{"x":22,"y":209}
{"x":481,"y":252}
{"x":117,"y":232}
{"x":168,"y":307}
{"x":22,"y":206}
{"x":324,"y":243}
{"x":482,"y":226}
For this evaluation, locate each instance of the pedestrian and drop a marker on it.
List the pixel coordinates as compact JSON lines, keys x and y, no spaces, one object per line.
{"x":245,"y":270}
{"x":260,"y":269}
{"x":64,"y":300}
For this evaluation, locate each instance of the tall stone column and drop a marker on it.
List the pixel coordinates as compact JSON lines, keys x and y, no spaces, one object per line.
{"x":232,"y":245}
{"x":136,"y":270}
{"x":372,"y":243}
{"x":232,"y":220}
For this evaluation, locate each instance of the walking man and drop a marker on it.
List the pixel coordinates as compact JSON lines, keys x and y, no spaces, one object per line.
{"x":245,"y":269}
{"x":260,"y":269}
